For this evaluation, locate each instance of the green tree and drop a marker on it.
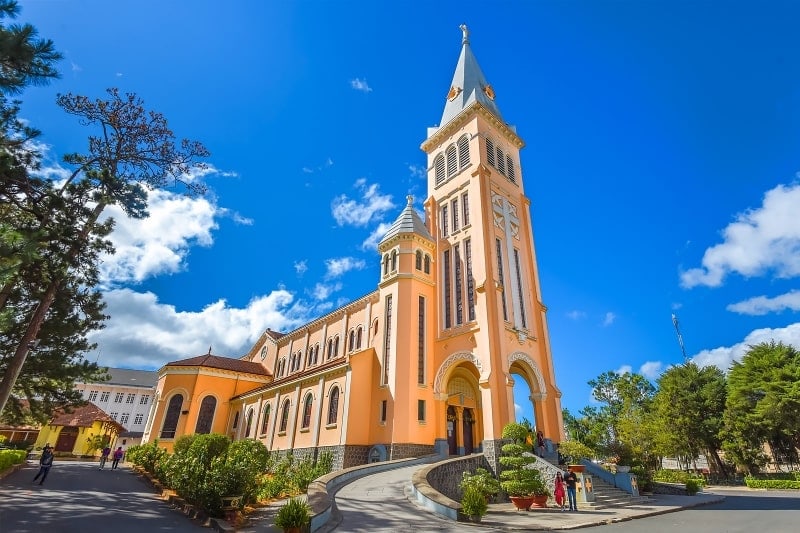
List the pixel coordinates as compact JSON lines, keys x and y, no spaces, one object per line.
{"x":132,"y":150}
{"x":689,"y":408}
{"x":763,"y":405}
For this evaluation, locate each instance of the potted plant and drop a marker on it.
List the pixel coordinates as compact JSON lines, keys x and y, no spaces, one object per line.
{"x":573,"y":452}
{"x":473,"y":504}
{"x":483,"y":481}
{"x":293,"y":516}
{"x":523,"y":483}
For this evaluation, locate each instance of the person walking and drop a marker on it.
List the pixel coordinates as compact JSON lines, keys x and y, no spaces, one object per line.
{"x":104,"y":456}
{"x":45,"y":462}
{"x":571,"y":480}
{"x":118,"y":453}
{"x":558,"y":491}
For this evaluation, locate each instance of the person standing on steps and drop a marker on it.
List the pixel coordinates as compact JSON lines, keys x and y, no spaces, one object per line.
{"x":118,"y":453}
{"x":571,"y":480}
{"x":104,"y":456}
{"x":540,"y":442}
{"x":558,"y":491}
{"x":45,"y":462}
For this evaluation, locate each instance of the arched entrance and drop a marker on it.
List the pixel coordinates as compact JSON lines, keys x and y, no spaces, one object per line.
{"x":463,"y":410}
{"x":529,"y":396}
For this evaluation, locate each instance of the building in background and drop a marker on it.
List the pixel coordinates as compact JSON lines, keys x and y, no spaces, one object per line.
{"x":71,"y":432}
{"x":127,"y":398}
{"x":426,"y":362}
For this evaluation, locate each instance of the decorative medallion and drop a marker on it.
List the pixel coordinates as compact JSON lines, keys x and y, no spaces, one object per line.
{"x":488,"y":91}
{"x":454,"y":92}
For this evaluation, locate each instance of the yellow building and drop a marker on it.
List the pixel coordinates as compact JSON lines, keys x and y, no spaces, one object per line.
{"x":427,"y":361}
{"x":70,"y":433}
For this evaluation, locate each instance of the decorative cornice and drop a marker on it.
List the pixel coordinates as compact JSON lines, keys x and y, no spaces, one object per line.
{"x":462,"y":118}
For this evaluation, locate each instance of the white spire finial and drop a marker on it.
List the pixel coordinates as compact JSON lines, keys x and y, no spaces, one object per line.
{"x":465,"y":31}
{"x":410,"y":199}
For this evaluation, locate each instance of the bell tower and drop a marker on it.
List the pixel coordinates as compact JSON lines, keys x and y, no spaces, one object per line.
{"x":490,"y":323}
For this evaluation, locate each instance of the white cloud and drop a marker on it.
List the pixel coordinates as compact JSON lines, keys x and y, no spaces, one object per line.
{"x":759,"y":241}
{"x":373,"y":206}
{"x":310,"y":170}
{"x":723,"y":356}
{"x":371,"y":242}
{"x":360,"y":85}
{"x":145,"y":333}
{"x":301,"y":267}
{"x":624,"y":369}
{"x":322,"y":291}
{"x":651,"y":369}
{"x":609,"y":318}
{"x":159,"y":243}
{"x":517,"y":411}
{"x":418,"y":171}
{"x":339,"y":266}
{"x":576,"y":315}
{"x":761,"y":305}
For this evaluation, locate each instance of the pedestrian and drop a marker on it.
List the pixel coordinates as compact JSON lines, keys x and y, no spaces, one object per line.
{"x":540,"y":442}
{"x":558,"y":491}
{"x":571,"y":480}
{"x":118,"y":453}
{"x":45,"y":462}
{"x":104,"y":456}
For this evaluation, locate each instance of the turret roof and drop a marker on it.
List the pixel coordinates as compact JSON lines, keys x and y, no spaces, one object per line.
{"x":408,"y":222}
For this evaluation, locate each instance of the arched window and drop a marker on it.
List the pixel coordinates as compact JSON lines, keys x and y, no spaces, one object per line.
{"x":330,"y":348}
{"x":316,"y":354}
{"x":206,"y":415}
{"x":359,"y":332}
{"x":236,"y":420}
{"x":394,"y":260}
{"x":352,"y":340}
{"x":249,"y":425}
{"x":284,"y":416}
{"x":171,"y":418}
{"x":265,"y":422}
{"x":310,"y":356}
{"x":490,"y":152}
{"x":307,"y":410}
{"x":333,"y":406}
{"x":427,"y":264}
{"x":463,"y":151}
{"x":452,"y":161}
{"x":336,"y":346}
{"x":418,"y":260}
{"x":438,"y":165}
{"x":385,"y":264}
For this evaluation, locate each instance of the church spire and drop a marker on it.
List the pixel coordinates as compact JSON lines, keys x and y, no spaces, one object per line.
{"x":468,"y":86}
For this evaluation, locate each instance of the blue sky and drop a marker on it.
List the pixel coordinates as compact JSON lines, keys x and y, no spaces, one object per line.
{"x":661,"y":161}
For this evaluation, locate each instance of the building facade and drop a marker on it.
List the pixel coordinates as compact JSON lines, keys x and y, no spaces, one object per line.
{"x":426,"y":362}
{"x":127,"y":399}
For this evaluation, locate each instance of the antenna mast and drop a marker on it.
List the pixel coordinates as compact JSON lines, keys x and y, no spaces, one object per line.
{"x":680,"y":337}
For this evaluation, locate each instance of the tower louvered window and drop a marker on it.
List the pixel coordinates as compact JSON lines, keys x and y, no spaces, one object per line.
{"x":463,"y":151}
{"x":439,"y":169}
{"x":510,"y":169}
{"x":501,"y":161}
{"x":499,"y":249}
{"x":490,"y":152}
{"x":452,"y":161}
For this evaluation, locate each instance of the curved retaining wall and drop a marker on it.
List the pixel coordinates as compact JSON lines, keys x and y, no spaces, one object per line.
{"x":436,"y":487}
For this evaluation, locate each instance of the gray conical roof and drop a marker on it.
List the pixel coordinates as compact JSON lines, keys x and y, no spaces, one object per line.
{"x":408,"y":222}
{"x":468,"y":86}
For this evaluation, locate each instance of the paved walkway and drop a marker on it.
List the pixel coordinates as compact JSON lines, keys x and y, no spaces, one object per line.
{"x":383,"y":502}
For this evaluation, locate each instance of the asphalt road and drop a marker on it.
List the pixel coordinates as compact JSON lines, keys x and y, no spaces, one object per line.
{"x":746,"y":511}
{"x":79,"y":498}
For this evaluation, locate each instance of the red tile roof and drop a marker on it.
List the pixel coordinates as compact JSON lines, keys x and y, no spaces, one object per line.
{"x":82,"y":416}
{"x":224,"y":363}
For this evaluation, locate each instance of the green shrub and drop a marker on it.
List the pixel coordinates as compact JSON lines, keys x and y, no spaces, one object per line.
{"x":9,"y":458}
{"x":677,"y":476}
{"x":294,"y":513}
{"x":148,"y":456}
{"x":473,"y":503}
{"x":573,"y":451}
{"x":481,"y":480}
{"x":777,"y":484}
{"x":519,"y":478}
{"x":644,"y":478}
{"x":692,"y":486}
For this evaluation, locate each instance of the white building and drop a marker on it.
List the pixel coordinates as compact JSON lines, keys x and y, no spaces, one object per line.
{"x":126,"y":398}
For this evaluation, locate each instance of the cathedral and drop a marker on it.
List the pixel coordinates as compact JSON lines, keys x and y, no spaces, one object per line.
{"x":426,"y":362}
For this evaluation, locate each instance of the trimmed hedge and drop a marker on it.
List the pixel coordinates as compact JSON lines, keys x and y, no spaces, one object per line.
{"x":779,"y":484}
{"x":677,"y":476}
{"x":9,"y":458}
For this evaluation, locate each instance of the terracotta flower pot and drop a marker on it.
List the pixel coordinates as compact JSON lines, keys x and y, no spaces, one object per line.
{"x":522,"y":502}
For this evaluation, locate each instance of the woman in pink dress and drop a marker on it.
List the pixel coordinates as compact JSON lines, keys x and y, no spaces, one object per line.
{"x":558,"y":491}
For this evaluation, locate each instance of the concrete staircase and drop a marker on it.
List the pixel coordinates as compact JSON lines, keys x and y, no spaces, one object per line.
{"x":607,"y":496}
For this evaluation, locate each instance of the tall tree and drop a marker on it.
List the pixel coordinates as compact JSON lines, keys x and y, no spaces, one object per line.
{"x":132,"y":150}
{"x":689,"y":406}
{"x":763,"y":405}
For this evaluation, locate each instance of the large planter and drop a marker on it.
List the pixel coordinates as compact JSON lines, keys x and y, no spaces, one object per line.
{"x":522,"y":502}
{"x":577,"y":468}
{"x":540,"y":502}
